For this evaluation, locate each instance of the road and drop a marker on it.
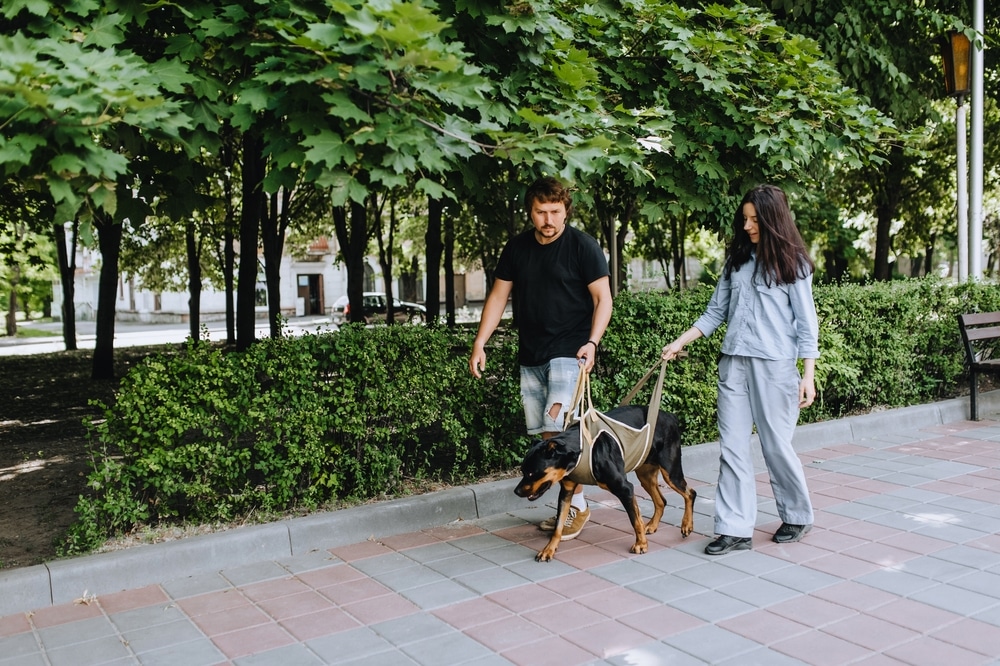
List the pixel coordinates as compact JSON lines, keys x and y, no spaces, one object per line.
{"x":134,"y":334}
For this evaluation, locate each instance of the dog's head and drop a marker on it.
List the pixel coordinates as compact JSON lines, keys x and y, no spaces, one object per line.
{"x":547,"y":462}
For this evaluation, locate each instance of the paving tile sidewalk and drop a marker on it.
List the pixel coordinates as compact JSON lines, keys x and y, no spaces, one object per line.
{"x":902,"y":567}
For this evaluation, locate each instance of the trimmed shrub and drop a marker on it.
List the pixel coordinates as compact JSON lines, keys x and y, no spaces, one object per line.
{"x":208,"y":435}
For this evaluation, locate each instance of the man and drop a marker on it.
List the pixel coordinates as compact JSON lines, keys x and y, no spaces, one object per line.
{"x":562,"y":295}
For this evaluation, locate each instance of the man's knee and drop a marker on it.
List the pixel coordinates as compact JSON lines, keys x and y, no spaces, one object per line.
{"x":554,"y":418}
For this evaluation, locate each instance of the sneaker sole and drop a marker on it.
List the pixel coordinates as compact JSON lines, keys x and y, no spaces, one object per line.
{"x":739,"y":546}
{"x":796,"y":539}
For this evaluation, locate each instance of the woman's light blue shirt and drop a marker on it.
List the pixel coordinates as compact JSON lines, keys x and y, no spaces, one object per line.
{"x":774,"y":323}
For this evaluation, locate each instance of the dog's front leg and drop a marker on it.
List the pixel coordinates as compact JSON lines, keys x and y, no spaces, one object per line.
{"x":623,"y":490}
{"x":566,"y":490}
{"x":631,"y":505}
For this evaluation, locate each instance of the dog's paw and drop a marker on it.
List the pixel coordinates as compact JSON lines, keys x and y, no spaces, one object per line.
{"x":686,"y":529}
{"x":639,"y":548}
{"x":545,"y":555}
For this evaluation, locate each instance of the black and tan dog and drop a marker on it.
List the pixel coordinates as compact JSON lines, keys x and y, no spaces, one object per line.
{"x":552,"y":461}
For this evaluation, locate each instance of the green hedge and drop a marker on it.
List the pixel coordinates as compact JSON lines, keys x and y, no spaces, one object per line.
{"x":209,"y":435}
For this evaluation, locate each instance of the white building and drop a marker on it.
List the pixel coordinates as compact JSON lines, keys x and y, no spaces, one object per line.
{"x":309,"y":287}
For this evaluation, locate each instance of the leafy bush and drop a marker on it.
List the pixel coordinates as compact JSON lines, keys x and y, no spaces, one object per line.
{"x":211,"y":435}
{"x":891,"y":344}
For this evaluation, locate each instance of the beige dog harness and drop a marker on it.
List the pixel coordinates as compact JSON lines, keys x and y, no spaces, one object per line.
{"x":634,"y":443}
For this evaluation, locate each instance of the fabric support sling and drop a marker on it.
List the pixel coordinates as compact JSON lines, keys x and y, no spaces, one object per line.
{"x":633,"y":443}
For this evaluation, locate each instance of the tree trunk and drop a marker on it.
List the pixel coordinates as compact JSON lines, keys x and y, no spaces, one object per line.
{"x":449,"y":270}
{"x":67,"y":273}
{"x":250,"y":216}
{"x":194,"y":279}
{"x":229,"y":276}
{"x":109,"y":240}
{"x":432,"y":293}
{"x":12,"y":305}
{"x":676,"y":252}
{"x":352,"y":235}
{"x":227,"y":155}
{"x":623,"y":226}
{"x":883,"y":243}
{"x":408,"y":279}
{"x":835,"y":264}
{"x":19,"y":232}
{"x":929,"y":255}
{"x":887,"y":195}
{"x":385,"y":253}
{"x":272,"y":234}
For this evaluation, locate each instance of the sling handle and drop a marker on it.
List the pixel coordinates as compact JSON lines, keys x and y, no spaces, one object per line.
{"x":583,"y":393}
{"x":654,"y":401}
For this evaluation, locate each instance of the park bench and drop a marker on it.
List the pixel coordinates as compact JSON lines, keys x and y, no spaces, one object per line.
{"x":980,"y":335}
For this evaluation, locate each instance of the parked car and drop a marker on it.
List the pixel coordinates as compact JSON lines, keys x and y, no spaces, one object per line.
{"x":375,"y":306}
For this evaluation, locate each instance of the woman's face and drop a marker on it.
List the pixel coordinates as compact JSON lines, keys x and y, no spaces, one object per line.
{"x":750,"y":222}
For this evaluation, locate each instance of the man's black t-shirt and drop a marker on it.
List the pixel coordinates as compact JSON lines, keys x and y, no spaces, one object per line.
{"x":553,"y":308}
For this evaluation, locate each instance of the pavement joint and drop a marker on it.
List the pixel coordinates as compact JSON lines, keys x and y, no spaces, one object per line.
{"x":902,"y":566}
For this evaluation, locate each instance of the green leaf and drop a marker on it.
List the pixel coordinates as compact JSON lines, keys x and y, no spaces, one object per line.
{"x":66,"y":163}
{"x":435,"y":190}
{"x":172,"y":75}
{"x":62,"y":193}
{"x":363,"y":22}
{"x":327,"y":148}
{"x":105,"y":31}
{"x":344,"y":108}
{"x":18,"y":150}
{"x":12,"y":8}
{"x":344,"y":188}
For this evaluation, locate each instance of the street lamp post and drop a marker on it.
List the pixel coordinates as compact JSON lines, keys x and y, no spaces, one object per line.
{"x":956,"y":54}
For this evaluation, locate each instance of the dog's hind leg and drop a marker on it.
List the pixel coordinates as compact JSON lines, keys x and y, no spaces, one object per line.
{"x":679,"y":484}
{"x":648,"y":474}
{"x":668,"y":458}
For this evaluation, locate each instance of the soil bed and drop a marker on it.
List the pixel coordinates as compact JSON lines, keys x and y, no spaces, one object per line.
{"x":44,"y":458}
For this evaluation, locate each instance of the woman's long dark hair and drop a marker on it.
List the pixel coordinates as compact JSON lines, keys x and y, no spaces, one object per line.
{"x":781,"y":253}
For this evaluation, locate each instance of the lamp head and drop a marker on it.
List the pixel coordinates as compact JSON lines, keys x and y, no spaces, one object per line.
{"x":956,"y":52}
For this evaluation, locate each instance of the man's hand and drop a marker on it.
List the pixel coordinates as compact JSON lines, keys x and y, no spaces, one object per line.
{"x":477,"y":361}
{"x":587,"y":355}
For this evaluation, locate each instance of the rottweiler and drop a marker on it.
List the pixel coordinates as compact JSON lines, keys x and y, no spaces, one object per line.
{"x":551,"y":461}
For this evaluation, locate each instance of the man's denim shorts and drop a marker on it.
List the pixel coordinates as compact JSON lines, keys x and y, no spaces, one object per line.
{"x":543,"y":386}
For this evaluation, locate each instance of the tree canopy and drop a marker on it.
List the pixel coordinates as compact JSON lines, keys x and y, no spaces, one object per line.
{"x":217,"y":117}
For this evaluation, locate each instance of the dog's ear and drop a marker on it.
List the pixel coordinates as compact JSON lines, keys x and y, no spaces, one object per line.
{"x":537,"y":449}
{"x":564,"y":446}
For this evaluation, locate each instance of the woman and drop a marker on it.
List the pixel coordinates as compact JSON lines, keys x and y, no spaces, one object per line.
{"x":765,"y":298}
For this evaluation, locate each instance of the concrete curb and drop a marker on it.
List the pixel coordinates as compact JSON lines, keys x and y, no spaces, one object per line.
{"x":63,"y":581}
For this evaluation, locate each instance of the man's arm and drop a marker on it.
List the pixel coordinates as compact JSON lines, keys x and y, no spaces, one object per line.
{"x":600,"y":291}
{"x":493,"y":309}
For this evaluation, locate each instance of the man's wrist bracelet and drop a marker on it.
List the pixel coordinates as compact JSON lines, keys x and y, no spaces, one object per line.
{"x":591,"y":342}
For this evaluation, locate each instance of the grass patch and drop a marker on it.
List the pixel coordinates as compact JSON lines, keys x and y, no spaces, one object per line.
{"x":28,"y":332}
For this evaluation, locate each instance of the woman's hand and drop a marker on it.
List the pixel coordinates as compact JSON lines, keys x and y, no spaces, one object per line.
{"x":673,"y":350}
{"x":807,"y":387}
{"x":807,"y":393}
